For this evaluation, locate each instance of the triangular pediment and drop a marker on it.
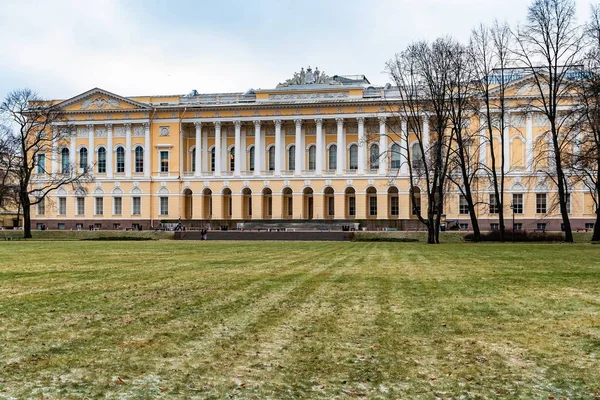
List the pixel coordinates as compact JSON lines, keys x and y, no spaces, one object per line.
{"x":523,"y":86}
{"x":100,"y":100}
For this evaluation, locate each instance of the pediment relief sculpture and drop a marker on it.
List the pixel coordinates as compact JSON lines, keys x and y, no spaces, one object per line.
{"x":308,"y":77}
{"x":99,"y":103}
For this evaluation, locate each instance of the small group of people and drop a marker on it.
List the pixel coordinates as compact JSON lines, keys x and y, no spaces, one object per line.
{"x":203,"y":234}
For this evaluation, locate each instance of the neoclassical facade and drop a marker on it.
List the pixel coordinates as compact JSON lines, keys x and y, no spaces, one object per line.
{"x":313,"y":148}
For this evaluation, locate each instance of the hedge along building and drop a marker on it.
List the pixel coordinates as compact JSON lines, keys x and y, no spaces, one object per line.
{"x":312,"y":148}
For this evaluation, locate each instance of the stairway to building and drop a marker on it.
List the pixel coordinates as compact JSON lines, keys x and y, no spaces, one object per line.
{"x":328,"y":236}
{"x":310,"y":225}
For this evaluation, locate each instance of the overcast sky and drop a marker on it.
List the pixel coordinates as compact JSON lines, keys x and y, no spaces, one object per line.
{"x":131,"y":47}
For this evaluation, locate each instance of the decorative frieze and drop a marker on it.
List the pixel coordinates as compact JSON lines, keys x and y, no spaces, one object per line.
{"x":138,"y":130}
{"x":100,"y":131}
{"x":119,"y":131}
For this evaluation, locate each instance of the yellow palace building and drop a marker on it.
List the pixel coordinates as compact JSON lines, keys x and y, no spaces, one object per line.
{"x":315,"y":147}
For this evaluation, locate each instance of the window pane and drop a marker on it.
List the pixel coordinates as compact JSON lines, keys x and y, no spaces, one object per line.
{"x":136,"y":205}
{"x":139,"y":159}
{"x":101,"y":160}
{"x":312,"y":158}
{"x":395,"y":164}
{"x":354,"y":157}
{"x":333,"y":157}
{"x":251,"y":158}
{"x":292,"y":158}
{"x":118,"y":205}
{"x":374,"y":159}
{"x":164,"y":161}
{"x":120,"y":160}
{"x":99,"y":205}
{"x":272,"y":158}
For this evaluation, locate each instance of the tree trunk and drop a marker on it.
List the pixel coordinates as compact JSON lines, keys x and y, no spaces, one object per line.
{"x":430,"y":234}
{"x":596,"y":235}
{"x":26,"y":215}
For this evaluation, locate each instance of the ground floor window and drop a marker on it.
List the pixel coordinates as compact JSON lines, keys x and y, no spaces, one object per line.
{"x":463,"y":226}
{"x":518,"y":226}
{"x":118,"y":205}
{"x":495,"y":227}
{"x":540,"y":203}
{"x":80,"y":205}
{"x":136,"y":205}
{"x":541,"y":226}
{"x":41,"y":206}
{"x":99,"y":205}
{"x":269,"y":206}
{"x":394,"y":206}
{"x":372,"y":206}
{"x":331,"y":206}
{"x":62,"y":206}
{"x":589,"y":225}
{"x":61,"y":226}
{"x":290,"y":206}
{"x":493,"y":203}
{"x":517,"y":203}
{"x":164,"y":206}
{"x":116,"y":226}
{"x":352,"y":206}
{"x":78,"y":227}
{"x":463,"y":206}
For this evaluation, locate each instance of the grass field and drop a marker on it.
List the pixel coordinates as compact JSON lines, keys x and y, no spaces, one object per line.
{"x":169,"y":319}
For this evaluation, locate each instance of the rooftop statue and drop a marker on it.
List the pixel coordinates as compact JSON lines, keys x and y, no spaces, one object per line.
{"x":308,"y":77}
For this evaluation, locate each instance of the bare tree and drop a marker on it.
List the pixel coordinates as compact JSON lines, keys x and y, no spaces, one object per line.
{"x":34,"y":128}
{"x":489,"y":49}
{"x":585,"y":161}
{"x":464,"y":160}
{"x":9,"y":190}
{"x":421,"y":73}
{"x":549,"y":46}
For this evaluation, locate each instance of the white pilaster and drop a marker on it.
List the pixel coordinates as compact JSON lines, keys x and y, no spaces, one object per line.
{"x":91,"y":150}
{"x":341,"y":147}
{"x":147,"y":157}
{"x":127,"y":150}
{"x":362,"y":146}
{"x":259,"y":156}
{"x":109,"y":151}
{"x":483,"y":140}
{"x":404,"y":147}
{"x":426,"y":138}
{"x":320,"y":147}
{"x":383,"y":159}
{"x":218,"y":148}
{"x":529,"y":141}
{"x":299,"y":149}
{"x":238,"y":148}
{"x":278,"y":145}
{"x":198,"y":158}
{"x":506,"y":142}
{"x":56,"y":161}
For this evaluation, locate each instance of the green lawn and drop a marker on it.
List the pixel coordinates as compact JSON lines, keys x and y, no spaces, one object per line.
{"x":169,"y":319}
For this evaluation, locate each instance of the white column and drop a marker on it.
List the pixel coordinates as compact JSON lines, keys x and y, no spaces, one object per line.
{"x":529,"y":141}
{"x":147,"y":157}
{"x":426,"y":138}
{"x":127,"y":150}
{"x":198,"y":157}
{"x":109,"y":151}
{"x":224,"y":152}
{"x":258,"y":149}
{"x":404,"y":147}
{"x":238,"y":148}
{"x":362,"y":146}
{"x":206,"y":154}
{"x":91,"y":148}
{"x":299,"y":149}
{"x":483,"y":140}
{"x":341,"y":146}
{"x":383,"y":159}
{"x":55,"y":154}
{"x":218,"y":148}
{"x":73,"y":151}
{"x":506,"y":142}
{"x":278,"y":144}
{"x":320,"y":147}
{"x":243,"y":151}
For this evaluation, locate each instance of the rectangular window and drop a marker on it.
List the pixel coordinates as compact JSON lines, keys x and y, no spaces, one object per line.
{"x":330,"y":206}
{"x":518,"y":226}
{"x":80,"y":205}
{"x":250,"y":206}
{"x":164,"y":206}
{"x":373,"y":206}
{"x":269,"y":206}
{"x":495,"y":227}
{"x":78,"y":226}
{"x":352,"y":206}
{"x":99,"y":205}
{"x":541,"y":227}
{"x":136,"y":205}
{"x":333,"y":158}
{"x":540,"y":203}
{"x":116,"y":226}
{"x":139,"y":160}
{"x":61,"y":226}
{"x":290,"y":206}
{"x":62,"y":206}
{"x":395,"y":206}
{"x":589,"y":225}
{"x":41,"y":207}
{"x":517,"y":203}
{"x":463,"y":226}
{"x":463,"y":207}
{"x":164,"y":161}
{"x":41,"y":164}
{"x":117,"y":205}
{"x":493,"y":204}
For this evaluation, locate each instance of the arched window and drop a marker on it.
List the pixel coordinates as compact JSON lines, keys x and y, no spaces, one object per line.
{"x":212,"y":159}
{"x":232,"y":159}
{"x":83,"y":159}
{"x":272,"y":158}
{"x":251,"y":158}
{"x":417,"y":156}
{"x":101,"y":160}
{"x":312,"y":158}
{"x":64,"y":160}
{"x":333,"y":156}
{"x":120,"y":160}
{"x":374,"y":157}
{"x":292,"y":158}
{"x":139,"y":159}
{"x":194,"y":159}
{"x":395,"y":156}
{"x":353,"y":159}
